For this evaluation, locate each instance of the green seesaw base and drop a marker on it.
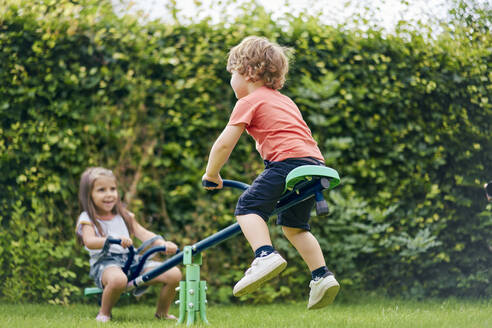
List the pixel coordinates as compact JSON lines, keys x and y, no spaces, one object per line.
{"x":192,"y":292}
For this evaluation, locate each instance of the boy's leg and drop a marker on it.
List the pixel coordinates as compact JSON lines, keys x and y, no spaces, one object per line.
{"x":265,"y":266}
{"x":324,"y":288}
{"x":114,"y":282}
{"x":307,"y":246}
{"x":255,"y":229}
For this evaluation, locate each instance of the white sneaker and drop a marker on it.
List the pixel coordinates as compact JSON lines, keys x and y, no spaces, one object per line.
{"x":103,"y":318}
{"x":262,"y":269}
{"x":323,"y":292}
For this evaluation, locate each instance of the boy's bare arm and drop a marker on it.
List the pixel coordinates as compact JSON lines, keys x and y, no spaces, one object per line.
{"x":222,"y":149}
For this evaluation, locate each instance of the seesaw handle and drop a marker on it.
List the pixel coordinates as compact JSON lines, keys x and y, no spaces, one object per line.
{"x":131,"y":253}
{"x":226,"y":183}
{"x":321,"y":205}
{"x":207,"y":183}
{"x":114,"y":241}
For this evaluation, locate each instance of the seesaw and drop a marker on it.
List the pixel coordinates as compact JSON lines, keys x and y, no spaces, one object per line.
{"x":301,"y":184}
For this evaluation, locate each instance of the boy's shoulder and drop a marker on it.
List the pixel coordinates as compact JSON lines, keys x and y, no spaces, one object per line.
{"x":263,"y":94}
{"x":261,"y":91}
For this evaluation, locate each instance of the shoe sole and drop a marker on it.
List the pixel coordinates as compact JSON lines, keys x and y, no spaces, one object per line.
{"x":327,"y":298}
{"x":258,"y":283}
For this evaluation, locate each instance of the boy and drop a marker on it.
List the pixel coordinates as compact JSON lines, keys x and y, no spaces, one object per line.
{"x":284,"y":141}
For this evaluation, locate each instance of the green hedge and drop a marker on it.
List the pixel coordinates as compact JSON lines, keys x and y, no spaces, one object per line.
{"x":404,"y":119}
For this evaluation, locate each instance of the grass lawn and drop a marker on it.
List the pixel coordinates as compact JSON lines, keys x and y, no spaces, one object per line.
{"x":363,"y":313}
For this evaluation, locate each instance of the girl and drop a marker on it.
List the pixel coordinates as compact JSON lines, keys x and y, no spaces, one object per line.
{"x":104,"y":216}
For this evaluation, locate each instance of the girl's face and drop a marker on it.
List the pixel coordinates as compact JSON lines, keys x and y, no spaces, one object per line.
{"x":239,"y":84}
{"x":104,"y":195}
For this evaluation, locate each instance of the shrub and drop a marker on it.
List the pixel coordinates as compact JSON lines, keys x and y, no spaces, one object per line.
{"x":404,"y":119}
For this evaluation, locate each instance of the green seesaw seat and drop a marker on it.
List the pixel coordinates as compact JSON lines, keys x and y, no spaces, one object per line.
{"x":310,"y":172}
{"x":305,"y":181}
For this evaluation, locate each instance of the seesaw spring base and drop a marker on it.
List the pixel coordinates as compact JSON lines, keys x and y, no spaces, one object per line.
{"x":192,"y":292}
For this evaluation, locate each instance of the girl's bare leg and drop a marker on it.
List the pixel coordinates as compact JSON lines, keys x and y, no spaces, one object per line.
{"x":169,"y":280}
{"x":114,"y":282}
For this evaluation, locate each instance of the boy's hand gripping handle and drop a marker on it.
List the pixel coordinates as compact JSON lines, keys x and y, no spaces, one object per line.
{"x":207,"y":183}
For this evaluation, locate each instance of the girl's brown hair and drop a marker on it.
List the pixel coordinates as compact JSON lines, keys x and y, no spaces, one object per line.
{"x":86,"y":203}
{"x":257,"y":59}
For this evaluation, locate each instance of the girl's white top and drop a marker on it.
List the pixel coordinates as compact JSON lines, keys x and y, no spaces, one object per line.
{"x":115,"y":228}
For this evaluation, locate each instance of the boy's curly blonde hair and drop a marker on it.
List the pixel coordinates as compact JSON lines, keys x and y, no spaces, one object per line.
{"x":256,"y":58}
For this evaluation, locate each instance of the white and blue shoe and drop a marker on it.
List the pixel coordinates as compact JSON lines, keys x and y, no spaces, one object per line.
{"x":323,"y":292}
{"x":262,"y":269}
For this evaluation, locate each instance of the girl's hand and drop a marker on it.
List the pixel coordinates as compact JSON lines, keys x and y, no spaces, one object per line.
{"x":171,"y":248}
{"x":126,"y":242}
{"x":215,"y":179}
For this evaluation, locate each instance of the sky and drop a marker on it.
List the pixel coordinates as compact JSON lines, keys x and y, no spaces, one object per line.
{"x":386,"y":12}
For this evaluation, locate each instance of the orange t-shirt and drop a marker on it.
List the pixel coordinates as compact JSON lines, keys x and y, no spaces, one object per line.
{"x":276,"y":124}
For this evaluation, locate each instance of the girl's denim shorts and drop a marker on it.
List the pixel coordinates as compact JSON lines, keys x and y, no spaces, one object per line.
{"x":113,"y":260}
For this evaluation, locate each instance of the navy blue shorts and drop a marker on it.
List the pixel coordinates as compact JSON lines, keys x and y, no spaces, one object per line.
{"x":265,"y":191}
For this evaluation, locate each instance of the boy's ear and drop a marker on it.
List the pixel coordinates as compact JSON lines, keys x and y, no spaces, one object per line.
{"x":249,"y":73}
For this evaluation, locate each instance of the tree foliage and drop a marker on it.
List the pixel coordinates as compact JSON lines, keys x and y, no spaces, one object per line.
{"x":405,"y":120}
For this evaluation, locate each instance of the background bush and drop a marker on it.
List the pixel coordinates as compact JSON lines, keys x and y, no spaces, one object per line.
{"x":404,"y":118}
